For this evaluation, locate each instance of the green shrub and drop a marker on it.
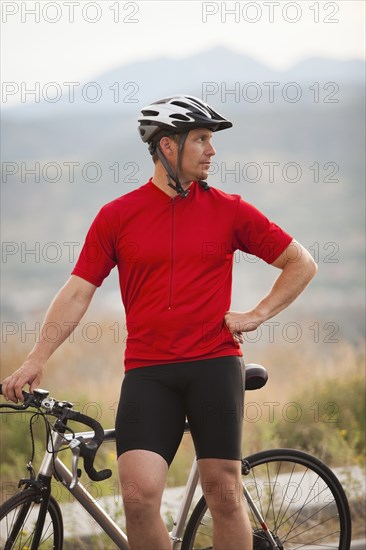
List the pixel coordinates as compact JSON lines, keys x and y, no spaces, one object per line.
{"x":336,"y":432}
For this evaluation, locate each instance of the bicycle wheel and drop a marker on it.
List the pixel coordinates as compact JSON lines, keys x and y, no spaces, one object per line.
{"x":299,"y":498}
{"x":18,"y":518}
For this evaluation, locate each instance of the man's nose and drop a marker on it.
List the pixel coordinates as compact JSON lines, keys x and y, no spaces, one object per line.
{"x":211,"y":150}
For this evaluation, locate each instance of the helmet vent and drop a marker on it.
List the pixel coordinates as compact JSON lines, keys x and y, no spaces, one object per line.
{"x":180,"y":117}
{"x":150,"y":113}
{"x":180,"y":104}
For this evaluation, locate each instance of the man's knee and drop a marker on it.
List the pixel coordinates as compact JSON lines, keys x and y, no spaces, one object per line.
{"x":224,"y":497}
{"x":222,"y":486}
{"x":141,"y":501}
{"x":142,"y":477}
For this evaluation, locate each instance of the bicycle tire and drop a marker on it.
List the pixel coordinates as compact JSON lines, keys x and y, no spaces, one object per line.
{"x":26,"y":502}
{"x":299,"y":497}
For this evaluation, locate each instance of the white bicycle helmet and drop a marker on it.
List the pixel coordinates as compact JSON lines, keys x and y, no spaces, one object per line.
{"x":177,"y":115}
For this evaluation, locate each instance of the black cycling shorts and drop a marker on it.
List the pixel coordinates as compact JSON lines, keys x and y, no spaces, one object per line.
{"x":156,"y":400}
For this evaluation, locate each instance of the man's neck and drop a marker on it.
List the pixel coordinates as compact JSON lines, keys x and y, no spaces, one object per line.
{"x":160,"y":179}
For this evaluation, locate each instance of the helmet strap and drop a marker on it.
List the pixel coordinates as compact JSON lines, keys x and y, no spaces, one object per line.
{"x":178,"y":188}
{"x":181,"y":143}
{"x":204,"y":185}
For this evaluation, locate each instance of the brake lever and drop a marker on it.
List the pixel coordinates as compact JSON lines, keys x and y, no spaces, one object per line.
{"x":75,"y":449}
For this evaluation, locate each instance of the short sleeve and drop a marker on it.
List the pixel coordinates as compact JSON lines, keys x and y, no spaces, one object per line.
{"x":98,"y":255}
{"x":255,"y":234}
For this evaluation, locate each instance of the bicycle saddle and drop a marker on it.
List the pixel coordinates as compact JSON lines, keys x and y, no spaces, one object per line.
{"x":256,"y":376}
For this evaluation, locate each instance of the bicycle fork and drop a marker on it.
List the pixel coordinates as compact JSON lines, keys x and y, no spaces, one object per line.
{"x":43,"y":484}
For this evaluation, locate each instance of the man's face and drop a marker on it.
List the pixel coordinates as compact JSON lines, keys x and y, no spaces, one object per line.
{"x":196,"y":156}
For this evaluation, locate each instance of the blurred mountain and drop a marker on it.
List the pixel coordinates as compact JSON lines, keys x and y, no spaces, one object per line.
{"x":296,"y":151}
{"x":208,"y":75}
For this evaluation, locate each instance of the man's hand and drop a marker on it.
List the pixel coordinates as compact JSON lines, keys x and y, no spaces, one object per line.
{"x":239,"y":322}
{"x":30,"y":373}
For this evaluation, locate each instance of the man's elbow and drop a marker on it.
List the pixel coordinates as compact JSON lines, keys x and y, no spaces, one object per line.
{"x":301,"y":262}
{"x":309,"y":267}
{"x":313,"y":268}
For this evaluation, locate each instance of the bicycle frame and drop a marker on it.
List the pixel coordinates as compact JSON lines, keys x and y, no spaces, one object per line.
{"x":52,"y":465}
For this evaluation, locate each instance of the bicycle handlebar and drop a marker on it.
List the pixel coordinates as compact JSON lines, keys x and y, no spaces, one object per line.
{"x":59,"y":409}
{"x":89,"y":449}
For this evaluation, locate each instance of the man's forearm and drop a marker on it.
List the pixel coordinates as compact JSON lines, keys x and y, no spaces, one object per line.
{"x":294,"y":278}
{"x":298,"y":268}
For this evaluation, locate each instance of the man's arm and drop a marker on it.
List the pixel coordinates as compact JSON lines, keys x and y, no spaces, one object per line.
{"x":298,"y":268}
{"x":63,"y":315}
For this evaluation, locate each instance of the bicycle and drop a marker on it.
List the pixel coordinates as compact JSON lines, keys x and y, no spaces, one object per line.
{"x":294,"y":500}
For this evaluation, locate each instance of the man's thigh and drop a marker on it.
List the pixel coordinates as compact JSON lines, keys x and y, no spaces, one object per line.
{"x":215,"y":404}
{"x":151,"y":414}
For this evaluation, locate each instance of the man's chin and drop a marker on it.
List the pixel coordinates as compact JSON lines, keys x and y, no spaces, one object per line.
{"x":198,"y":176}
{"x":204,"y":175}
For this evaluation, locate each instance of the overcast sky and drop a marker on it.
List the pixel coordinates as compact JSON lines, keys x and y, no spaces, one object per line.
{"x":71,"y":40}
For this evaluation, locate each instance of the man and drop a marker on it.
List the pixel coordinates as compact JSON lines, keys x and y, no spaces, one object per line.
{"x":173,"y":240}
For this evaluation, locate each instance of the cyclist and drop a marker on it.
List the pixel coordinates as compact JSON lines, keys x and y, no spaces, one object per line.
{"x":173,"y":240}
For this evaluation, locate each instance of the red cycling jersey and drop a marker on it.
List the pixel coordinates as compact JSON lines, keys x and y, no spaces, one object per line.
{"x":175,"y":258}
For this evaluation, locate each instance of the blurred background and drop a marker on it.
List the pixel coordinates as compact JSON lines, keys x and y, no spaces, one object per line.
{"x":291,"y":76}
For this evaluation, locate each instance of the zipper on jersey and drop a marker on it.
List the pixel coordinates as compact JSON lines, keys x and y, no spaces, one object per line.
{"x":171,"y":259}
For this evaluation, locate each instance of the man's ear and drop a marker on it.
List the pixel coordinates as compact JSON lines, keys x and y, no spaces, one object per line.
{"x":167,"y":146}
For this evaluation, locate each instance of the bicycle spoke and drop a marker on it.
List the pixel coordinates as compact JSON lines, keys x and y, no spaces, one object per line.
{"x":310,"y":527}
{"x":296,"y":524}
{"x":294,"y":515}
